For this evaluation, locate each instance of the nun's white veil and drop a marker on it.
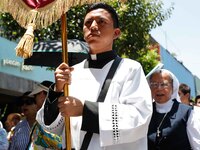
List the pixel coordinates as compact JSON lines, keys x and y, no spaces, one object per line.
{"x":175,"y":85}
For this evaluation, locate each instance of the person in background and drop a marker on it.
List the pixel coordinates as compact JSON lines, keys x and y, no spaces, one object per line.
{"x":194,"y":120}
{"x":170,"y":127}
{"x":184,"y":93}
{"x":121,"y":121}
{"x":21,"y":135}
{"x":3,"y":138}
{"x":11,"y":121}
{"x":191,"y":102}
{"x":197,"y":101}
{"x":39,"y":138}
{"x":40,"y":92}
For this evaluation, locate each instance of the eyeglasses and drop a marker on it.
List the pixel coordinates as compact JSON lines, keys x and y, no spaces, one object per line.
{"x":162,"y":85}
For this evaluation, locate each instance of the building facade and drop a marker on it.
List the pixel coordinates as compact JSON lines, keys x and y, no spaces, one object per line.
{"x":15,"y":77}
{"x":183,"y":74}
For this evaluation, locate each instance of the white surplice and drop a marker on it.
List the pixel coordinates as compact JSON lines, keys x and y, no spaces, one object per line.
{"x":128,"y":96}
{"x":193,"y":127}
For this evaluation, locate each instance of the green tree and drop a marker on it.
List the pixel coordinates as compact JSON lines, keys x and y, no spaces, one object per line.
{"x":137,"y":17}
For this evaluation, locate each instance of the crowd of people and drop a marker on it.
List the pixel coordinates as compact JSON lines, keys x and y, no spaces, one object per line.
{"x":111,"y":104}
{"x":23,"y":129}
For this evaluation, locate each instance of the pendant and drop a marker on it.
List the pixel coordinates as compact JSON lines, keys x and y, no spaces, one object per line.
{"x":158,"y":132}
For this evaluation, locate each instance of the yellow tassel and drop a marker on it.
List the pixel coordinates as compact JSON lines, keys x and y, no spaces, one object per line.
{"x":25,"y":45}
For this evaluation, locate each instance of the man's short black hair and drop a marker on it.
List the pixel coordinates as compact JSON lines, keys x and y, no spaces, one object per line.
{"x":107,"y":8}
{"x":196,"y":98}
{"x":46,"y":83}
{"x":184,"y":88}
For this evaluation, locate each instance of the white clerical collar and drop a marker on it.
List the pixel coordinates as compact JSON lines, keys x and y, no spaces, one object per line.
{"x":164,"y":108}
{"x":93,"y":56}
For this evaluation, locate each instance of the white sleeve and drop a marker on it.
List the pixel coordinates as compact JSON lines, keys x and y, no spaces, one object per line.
{"x":1,"y":125}
{"x":125,"y":115}
{"x":193,"y":128}
{"x":55,"y":127}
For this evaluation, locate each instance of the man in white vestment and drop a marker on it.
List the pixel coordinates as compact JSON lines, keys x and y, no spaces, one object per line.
{"x":194,"y":128}
{"x":121,"y":121}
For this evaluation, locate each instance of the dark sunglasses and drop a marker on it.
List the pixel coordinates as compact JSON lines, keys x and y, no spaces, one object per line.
{"x":27,"y":101}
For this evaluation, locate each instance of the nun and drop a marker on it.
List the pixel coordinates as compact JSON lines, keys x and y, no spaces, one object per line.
{"x":170,"y":126}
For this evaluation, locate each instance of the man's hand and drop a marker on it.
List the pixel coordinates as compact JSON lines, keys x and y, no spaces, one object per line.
{"x":62,"y":76}
{"x":70,"y":106}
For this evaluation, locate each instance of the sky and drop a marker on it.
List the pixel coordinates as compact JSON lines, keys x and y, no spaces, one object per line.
{"x":180,"y":34}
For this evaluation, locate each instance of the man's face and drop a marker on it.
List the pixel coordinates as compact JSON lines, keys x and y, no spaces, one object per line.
{"x":184,"y":97}
{"x":29,"y":108}
{"x":198,"y":102}
{"x":9,"y":123}
{"x":99,"y":31}
{"x":40,"y":98}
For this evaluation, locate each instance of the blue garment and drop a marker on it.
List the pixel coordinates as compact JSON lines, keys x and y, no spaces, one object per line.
{"x":21,"y":136}
{"x":3,"y":139}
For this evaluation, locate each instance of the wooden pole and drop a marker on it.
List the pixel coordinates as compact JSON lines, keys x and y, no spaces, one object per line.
{"x":66,"y":90}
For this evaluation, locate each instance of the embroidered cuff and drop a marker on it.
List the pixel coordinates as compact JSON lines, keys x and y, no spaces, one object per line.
{"x":115,"y":124}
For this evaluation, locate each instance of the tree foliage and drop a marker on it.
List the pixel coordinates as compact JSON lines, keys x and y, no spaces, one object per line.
{"x":137,"y":17}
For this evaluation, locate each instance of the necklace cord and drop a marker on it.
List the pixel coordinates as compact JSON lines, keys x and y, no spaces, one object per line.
{"x":158,"y":128}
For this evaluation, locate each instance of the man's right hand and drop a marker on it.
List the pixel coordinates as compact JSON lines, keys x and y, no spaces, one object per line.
{"x":62,"y":76}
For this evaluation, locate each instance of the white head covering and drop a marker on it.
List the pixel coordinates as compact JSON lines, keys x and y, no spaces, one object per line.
{"x":175,"y":85}
{"x":166,"y":107}
{"x":43,"y":86}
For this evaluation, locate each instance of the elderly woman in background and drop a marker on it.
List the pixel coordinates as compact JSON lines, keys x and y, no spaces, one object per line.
{"x":170,"y":128}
